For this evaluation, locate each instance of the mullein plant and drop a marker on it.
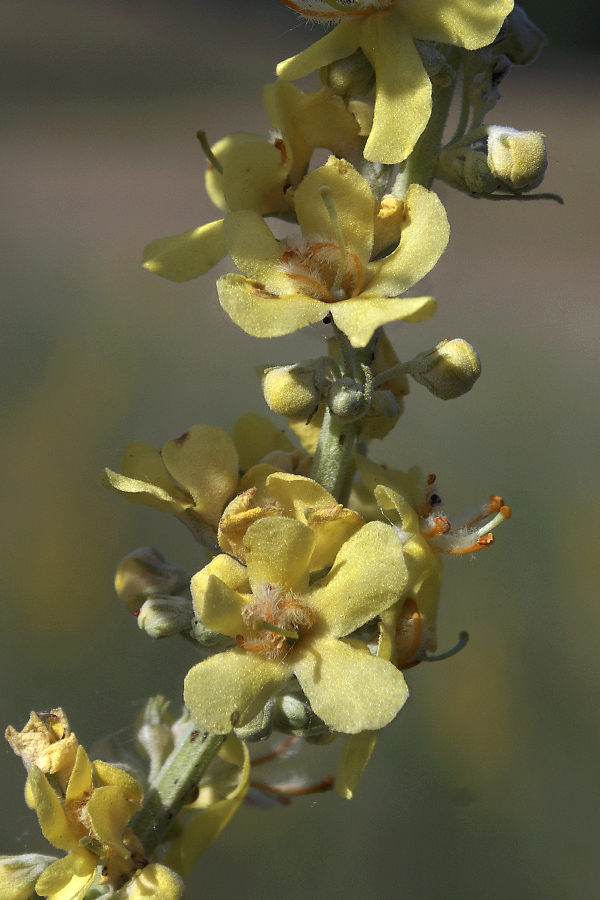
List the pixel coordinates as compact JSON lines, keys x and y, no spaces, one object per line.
{"x":325,"y":567}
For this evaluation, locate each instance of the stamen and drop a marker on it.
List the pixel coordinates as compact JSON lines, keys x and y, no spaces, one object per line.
{"x":284,"y":793}
{"x":409,"y":626}
{"x":442,"y":526}
{"x":269,"y":757}
{"x":212,"y":159}
{"x":337,"y":287}
{"x":463,"y":640}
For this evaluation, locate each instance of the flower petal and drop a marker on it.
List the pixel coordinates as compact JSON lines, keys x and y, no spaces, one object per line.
{"x":254,"y":249}
{"x":402,"y":92}
{"x":354,"y":205}
{"x":254,"y":177}
{"x":53,"y":821}
{"x":255,"y":436}
{"x":231,"y":688}
{"x":369,"y":575}
{"x":348,"y":688}
{"x":68,"y":878}
{"x":278,"y":551}
{"x":108,"y":812}
{"x":234,"y":577}
{"x":262,"y":314}
{"x":355,"y":756}
{"x":188,"y":255}
{"x":423,"y":239}
{"x":204,"y":461}
{"x":359,"y":318}
{"x":339,"y":43}
{"x":459,"y":22}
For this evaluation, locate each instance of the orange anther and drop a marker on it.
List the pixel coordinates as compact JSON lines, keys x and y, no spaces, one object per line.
{"x":408,"y":634}
{"x":430,"y":479}
{"x":496,"y":504}
{"x":506,"y":511}
{"x":486,"y":539}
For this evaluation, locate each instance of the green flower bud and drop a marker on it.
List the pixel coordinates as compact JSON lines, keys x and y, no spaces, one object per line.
{"x":383,"y":403}
{"x":146,"y":572}
{"x":209,"y":639}
{"x":18,"y":875}
{"x":261,"y":726}
{"x":346,"y":399}
{"x":518,"y":158}
{"x":293,"y":715}
{"x":449,"y":370}
{"x":162,"y":616}
{"x":352,"y":76}
{"x":294,"y":391}
{"x":520,"y":39}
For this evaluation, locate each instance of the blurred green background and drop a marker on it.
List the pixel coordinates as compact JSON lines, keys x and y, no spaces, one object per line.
{"x":487,"y":785}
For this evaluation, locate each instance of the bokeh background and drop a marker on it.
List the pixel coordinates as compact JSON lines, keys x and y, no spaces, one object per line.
{"x":487,"y":785}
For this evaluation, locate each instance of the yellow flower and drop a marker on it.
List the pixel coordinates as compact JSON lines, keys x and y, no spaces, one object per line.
{"x":194,"y":475}
{"x":155,"y":882}
{"x":257,"y":174}
{"x":284,"y":625}
{"x":265,"y":493}
{"x":297,"y":282}
{"x":90,"y":822}
{"x":385,"y":31}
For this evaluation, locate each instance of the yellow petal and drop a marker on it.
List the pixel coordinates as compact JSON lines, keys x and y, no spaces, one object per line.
{"x":254,"y":249}
{"x":339,"y":43}
{"x":204,"y":461}
{"x":68,"y":878}
{"x":155,"y":882}
{"x":402,"y":92}
{"x":105,"y":774}
{"x":368,"y":576}
{"x":461,"y":22}
{"x":354,"y":205}
{"x":355,"y":756}
{"x":108,"y":812}
{"x":188,"y":255}
{"x":53,"y":821}
{"x":359,"y":318}
{"x":278,"y":552}
{"x":229,"y":572}
{"x":80,"y":783}
{"x":308,"y":502}
{"x":254,"y":177}
{"x":222,"y":608}
{"x":255,"y":436}
{"x":424,"y":237}
{"x":263,"y":314}
{"x":348,"y":688}
{"x":213,"y":179}
{"x":231,"y":688}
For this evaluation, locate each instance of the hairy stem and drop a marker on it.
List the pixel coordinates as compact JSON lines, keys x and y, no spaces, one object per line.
{"x":181,"y":771}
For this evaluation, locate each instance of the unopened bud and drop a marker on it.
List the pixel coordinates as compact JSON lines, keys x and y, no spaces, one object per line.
{"x":18,"y":875}
{"x":144,"y":573}
{"x":294,"y":391}
{"x":209,"y":639}
{"x":346,"y":399}
{"x":449,"y":370}
{"x":293,"y":715}
{"x":383,"y":403}
{"x":518,"y":158}
{"x":155,"y":882}
{"x":162,"y":616}
{"x":435,"y":64}
{"x":520,"y":39}
{"x":352,"y":76}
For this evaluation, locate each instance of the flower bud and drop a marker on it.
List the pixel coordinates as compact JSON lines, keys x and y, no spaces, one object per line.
{"x":449,"y":370}
{"x":162,"y":616}
{"x":293,"y":715}
{"x":520,"y":40}
{"x":346,"y":399}
{"x":18,"y":875}
{"x":209,"y":639}
{"x":146,"y":572}
{"x":352,"y":76}
{"x":294,"y":391}
{"x":518,"y":158}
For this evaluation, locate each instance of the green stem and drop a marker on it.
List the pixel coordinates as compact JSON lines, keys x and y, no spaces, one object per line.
{"x":333,"y":466}
{"x":420,"y":166}
{"x":180,"y":773}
